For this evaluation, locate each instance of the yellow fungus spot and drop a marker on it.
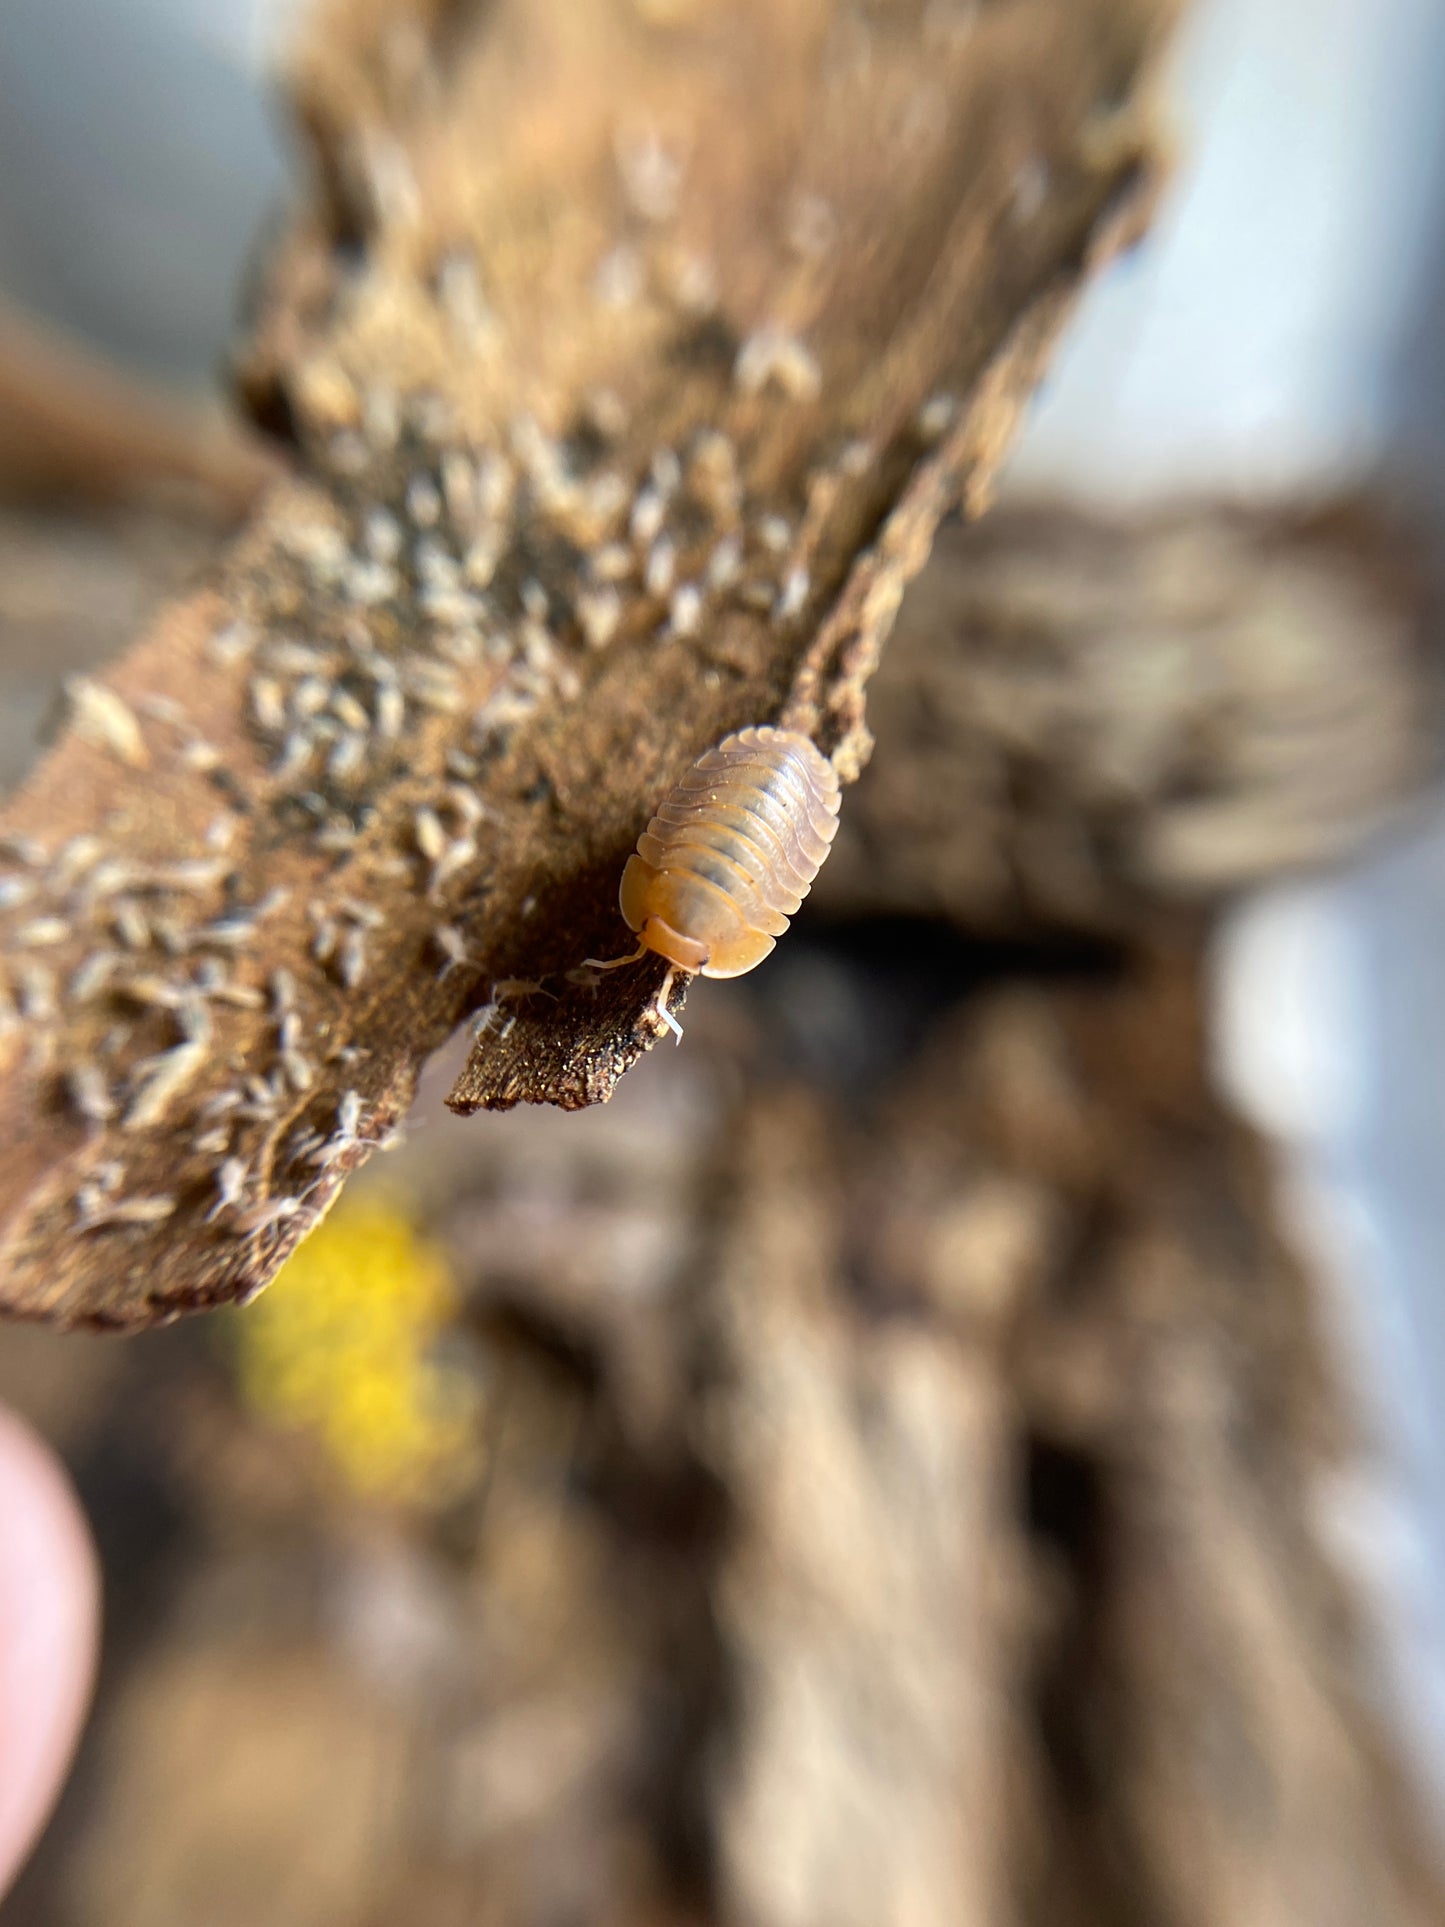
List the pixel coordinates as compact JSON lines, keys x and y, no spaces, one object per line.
{"x":345,"y":1345}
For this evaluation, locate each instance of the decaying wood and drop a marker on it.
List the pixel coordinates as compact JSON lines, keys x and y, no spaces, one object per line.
{"x":908,"y":1504}
{"x":1025,"y":1418}
{"x":630,"y":357}
{"x":1104,"y":728}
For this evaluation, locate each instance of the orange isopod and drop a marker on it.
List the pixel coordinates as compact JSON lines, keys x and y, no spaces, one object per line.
{"x":731,"y":853}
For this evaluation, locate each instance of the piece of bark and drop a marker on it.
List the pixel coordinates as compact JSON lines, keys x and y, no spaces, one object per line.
{"x":589,"y":296}
{"x":862,"y":1596}
{"x":1023,"y":1409}
{"x":1097,"y":727}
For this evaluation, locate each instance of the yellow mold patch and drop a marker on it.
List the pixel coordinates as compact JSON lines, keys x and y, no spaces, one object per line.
{"x":345,"y":1346}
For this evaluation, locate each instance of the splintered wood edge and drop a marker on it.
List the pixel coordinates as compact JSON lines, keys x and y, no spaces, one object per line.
{"x":344,"y":796}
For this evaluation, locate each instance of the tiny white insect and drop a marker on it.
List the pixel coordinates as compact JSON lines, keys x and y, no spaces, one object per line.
{"x":231,"y":1176}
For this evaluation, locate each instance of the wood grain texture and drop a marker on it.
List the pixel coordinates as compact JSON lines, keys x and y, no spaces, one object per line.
{"x":1111,"y":728}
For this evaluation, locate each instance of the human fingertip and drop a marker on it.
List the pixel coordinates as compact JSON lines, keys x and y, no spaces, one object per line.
{"x":49,"y":1635}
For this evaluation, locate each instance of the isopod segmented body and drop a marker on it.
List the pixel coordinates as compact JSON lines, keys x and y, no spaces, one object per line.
{"x":732,"y":852}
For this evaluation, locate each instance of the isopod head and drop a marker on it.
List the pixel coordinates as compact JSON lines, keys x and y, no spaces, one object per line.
{"x":724,"y":949}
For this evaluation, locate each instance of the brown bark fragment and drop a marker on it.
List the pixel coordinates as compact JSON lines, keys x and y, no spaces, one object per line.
{"x":1024,"y":1412}
{"x":861,"y":1604}
{"x":1097,"y":726}
{"x":630,"y":364}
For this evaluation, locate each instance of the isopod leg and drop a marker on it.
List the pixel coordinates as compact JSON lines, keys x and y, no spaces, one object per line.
{"x":614,"y":963}
{"x":659,"y":1005}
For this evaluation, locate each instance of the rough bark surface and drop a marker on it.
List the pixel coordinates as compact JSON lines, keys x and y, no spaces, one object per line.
{"x":1028,"y":1431}
{"x":1109,"y":727}
{"x":630,"y":355}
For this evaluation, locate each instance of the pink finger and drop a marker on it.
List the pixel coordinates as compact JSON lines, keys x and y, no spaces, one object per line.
{"x":49,"y":1627}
